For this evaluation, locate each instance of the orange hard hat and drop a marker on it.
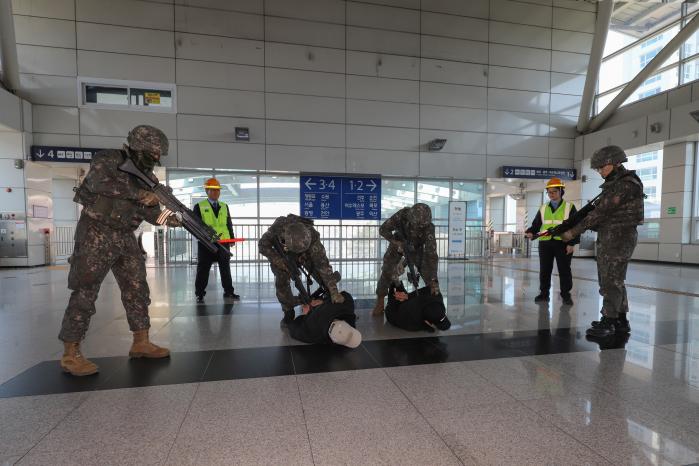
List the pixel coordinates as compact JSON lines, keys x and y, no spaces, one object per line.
{"x":212,"y":183}
{"x":555,"y":183}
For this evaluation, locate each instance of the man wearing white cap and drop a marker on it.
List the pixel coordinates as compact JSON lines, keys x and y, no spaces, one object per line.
{"x":325,"y":322}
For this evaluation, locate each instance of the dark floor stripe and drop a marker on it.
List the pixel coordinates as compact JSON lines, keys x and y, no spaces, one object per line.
{"x":230,"y":364}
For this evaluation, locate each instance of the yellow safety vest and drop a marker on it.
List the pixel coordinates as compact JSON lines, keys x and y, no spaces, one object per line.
{"x":218,"y":223}
{"x":550,"y":219}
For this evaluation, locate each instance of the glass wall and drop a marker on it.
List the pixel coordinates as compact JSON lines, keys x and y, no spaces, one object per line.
{"x":649,"y":167}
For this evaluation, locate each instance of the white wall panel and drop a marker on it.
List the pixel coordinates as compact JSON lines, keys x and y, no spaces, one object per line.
{"x":517,"y":146}
{"x":298,"y":133}
{"x":377,"y":40}
{"x":437,"y":24}
{"x":454,"y":72}
{"x":563,"y":126}
{"x":302,"y":57}
{"x":220,"y":49}
{"x":561,"y":163}
{"x":305,"y":82}
{"x":565,"y":104}
{"x":100,"y":122}
{"x":125,"y":40}
{"x":472,"y":8}
{"x":520,"y":57}
{"x":453,"y":95}
{"x":206,"y":101}
{"x":562,"y":148}
{"x":50,"y":119}
{"x":332,"y":11}
{"x":454,"y":49}
{"x":670,"y":252}
{"x":453,"y":118}
{"x":387,"y":162}
{"x":219,"y":129}
{"x":133,"y":13}
{"x":469,"y":167}
{"x":381,"y":137}
{"x":49,"y":90}
{"x":520,"y":34}
{"x":296,"y":31}
{"x":662,"y":118}
{"x":311,"y":159}
{"x":566,"y":62}
{"x":46,"y":60}
{"x":645,"y":251}
{"x":569,"y":41}
{"x":116,"y":142}
{"x":520,"y":13}
{"x":576,"y":5}
{"x":519,"y":79}
{"x":682,"y":122}
{"x":382,"y":65}
{"x":383,"y":17}
{"x":26,"y":111}
{"x":122,"y":66}
{"x":382,"y":113}
{"x":509,"y":122}
{"x":58,"y":9}
{"x":395,"y":90}
{"x":197,"y":154}
{"x":42,"y":31}
{"x":221,"y":75}
{"x":562,"y":83}
{"x":571,"y":20}
{"x":679,"y":96}
{"x":518,"y":101}
{"x":458,"y":142}
{"x":246,"y":6}
{"x":219,"y":23}
{"x":690,"y":253}
{"x":414,"y":4}
{"x":48,"y":139}
{"x":305,"y":108}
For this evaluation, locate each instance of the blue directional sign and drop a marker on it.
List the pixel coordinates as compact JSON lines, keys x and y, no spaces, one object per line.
{"x":340,"y":197}
{"x":62,"y":154}
{"x":540,"y":173}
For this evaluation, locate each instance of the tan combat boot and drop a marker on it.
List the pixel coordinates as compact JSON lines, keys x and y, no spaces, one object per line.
{"x":143,"y":348}
{"x":74,"y":362}
{"x":378,"y":308}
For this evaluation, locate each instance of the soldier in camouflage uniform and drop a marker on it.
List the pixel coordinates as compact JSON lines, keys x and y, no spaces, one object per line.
{"x":615,"y":218}
{"x":114,"y":205}
{"x":298,"y":236}
{"x":412,"y":225}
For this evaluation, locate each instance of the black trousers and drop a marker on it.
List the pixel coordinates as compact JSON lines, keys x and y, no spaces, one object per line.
{"x":548,"y":251}
{"x":204,"y":262}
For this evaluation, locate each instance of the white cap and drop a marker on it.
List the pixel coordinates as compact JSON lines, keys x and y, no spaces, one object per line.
{"x":342,"y":333}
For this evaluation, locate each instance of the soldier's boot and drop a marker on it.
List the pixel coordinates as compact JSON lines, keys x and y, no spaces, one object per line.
{"x":622,"y":326}
{"x":379,"y":307}
{"x":606,"y":328}
{"x":74,"y":363}
{"x":143,"y":348}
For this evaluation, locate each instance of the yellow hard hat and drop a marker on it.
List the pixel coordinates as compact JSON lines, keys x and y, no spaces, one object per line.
{"x":212,"y":183}
{"x":555,"y":183}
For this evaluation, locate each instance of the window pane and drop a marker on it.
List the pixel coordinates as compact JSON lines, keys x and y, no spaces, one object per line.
{"x":279,"y":195}
{"x":436,"y":195}
{"x":188,"y":186}
{"x":396,"y":194}
{"x":106,"y":95}
{"x":649,"y":167}
{"x":472,"y":193}
{"x":690,"y":71}
{"x":151,"y":98}
{"x":240,"y":193}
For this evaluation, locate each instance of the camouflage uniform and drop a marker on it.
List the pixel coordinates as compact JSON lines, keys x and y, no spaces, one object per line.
{"x":420,"y":235}
{"x":313,"y":257}
{"x":615,"y":218}
{"x":105,"y":240}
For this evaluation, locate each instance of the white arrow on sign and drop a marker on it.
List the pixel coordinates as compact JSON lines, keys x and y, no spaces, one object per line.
{"x":40,"y":154}
{"x":309,"y":185}
{"x":372,"y":184}
{"x":508,"y":171}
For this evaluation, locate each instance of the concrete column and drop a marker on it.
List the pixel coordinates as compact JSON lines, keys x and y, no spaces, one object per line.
{"x":676,"y":200}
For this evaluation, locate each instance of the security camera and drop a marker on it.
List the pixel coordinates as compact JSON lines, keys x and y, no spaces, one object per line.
{"x":436,"y":144}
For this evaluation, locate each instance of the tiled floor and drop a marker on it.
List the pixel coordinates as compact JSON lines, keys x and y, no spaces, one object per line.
{"x":511,"y":383}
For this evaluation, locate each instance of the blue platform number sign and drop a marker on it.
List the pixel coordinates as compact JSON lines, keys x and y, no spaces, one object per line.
{"x":339,"y":197}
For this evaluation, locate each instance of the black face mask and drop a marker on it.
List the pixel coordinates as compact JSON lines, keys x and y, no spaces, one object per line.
{"x":144,"y":160}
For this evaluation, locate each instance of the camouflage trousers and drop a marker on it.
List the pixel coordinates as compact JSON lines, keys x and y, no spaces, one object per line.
{"x":614,"y":250}
{"x":99,"y":249}
{"x":391,"y":258}
{"x":282,"y":285}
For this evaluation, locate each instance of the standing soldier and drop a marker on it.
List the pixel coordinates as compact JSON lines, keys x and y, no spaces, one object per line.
{"x":618,"y":212}
{"x":551,"y":214}
{"x":215,"y":214}
{"x":114,"y":206}
{"x":410,"y":225}
{"x":298,"y":237}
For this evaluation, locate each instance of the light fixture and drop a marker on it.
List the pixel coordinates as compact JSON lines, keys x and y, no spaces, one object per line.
{"x":436,"y":145}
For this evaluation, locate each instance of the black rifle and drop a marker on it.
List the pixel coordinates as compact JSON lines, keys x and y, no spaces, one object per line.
{"x":571,"y":221}
{"x":204,"y":233}
{"x":296,"y":270}
{"x":409,"y":251}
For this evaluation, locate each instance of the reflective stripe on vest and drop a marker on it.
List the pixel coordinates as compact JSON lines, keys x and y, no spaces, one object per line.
{"x":550,"y":219}
{"x":218,"y":223}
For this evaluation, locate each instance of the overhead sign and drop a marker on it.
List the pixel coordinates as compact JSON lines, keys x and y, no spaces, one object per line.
{"x":340,"y":197}
{"x":457,"y":229}
{"x":541,"y":173}
{"x":62,"y":154}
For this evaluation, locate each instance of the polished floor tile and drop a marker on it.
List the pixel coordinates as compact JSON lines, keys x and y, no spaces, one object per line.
{"x":179,"y":368}
{"x":247,"y":363}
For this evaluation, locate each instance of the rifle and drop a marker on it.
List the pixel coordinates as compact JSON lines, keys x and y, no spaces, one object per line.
{"x":204,"y":233}
{"x":413,"y":274}
{"x":571,"y":221}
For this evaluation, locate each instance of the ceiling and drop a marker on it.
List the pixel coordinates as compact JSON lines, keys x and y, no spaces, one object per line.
{"x":639,"y":18}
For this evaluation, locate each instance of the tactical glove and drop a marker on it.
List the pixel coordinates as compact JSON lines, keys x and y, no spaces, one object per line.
{"x":147,"y":198}
{"x":434,"y":287}
{"x":174,"y":221}
{"x":337,"y":297}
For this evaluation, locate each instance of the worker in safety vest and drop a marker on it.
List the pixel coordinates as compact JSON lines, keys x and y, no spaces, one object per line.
{"x":551,"y":214}
{"x":216,"y":215}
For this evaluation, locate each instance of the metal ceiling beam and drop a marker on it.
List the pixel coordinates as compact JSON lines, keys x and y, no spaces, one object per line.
{"x":8,"y":47}
{"x":604,"y":15}
{"x":645,"y":73}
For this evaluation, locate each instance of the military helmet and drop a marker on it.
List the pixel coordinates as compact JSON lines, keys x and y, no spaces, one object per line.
{"x":420,"y":214}
{"x":149,"y":141}
{"x":608,"y":155}
{"x":297,"y":237}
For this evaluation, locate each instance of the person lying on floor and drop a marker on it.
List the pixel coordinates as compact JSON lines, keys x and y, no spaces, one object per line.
{"x":326,"y":322}
{"x":415,"y":311}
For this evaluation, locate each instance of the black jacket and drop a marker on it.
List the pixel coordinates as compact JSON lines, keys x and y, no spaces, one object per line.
{"x":536,"y":224}
{"x":409,"y":315}
{"x":313,"y":327}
